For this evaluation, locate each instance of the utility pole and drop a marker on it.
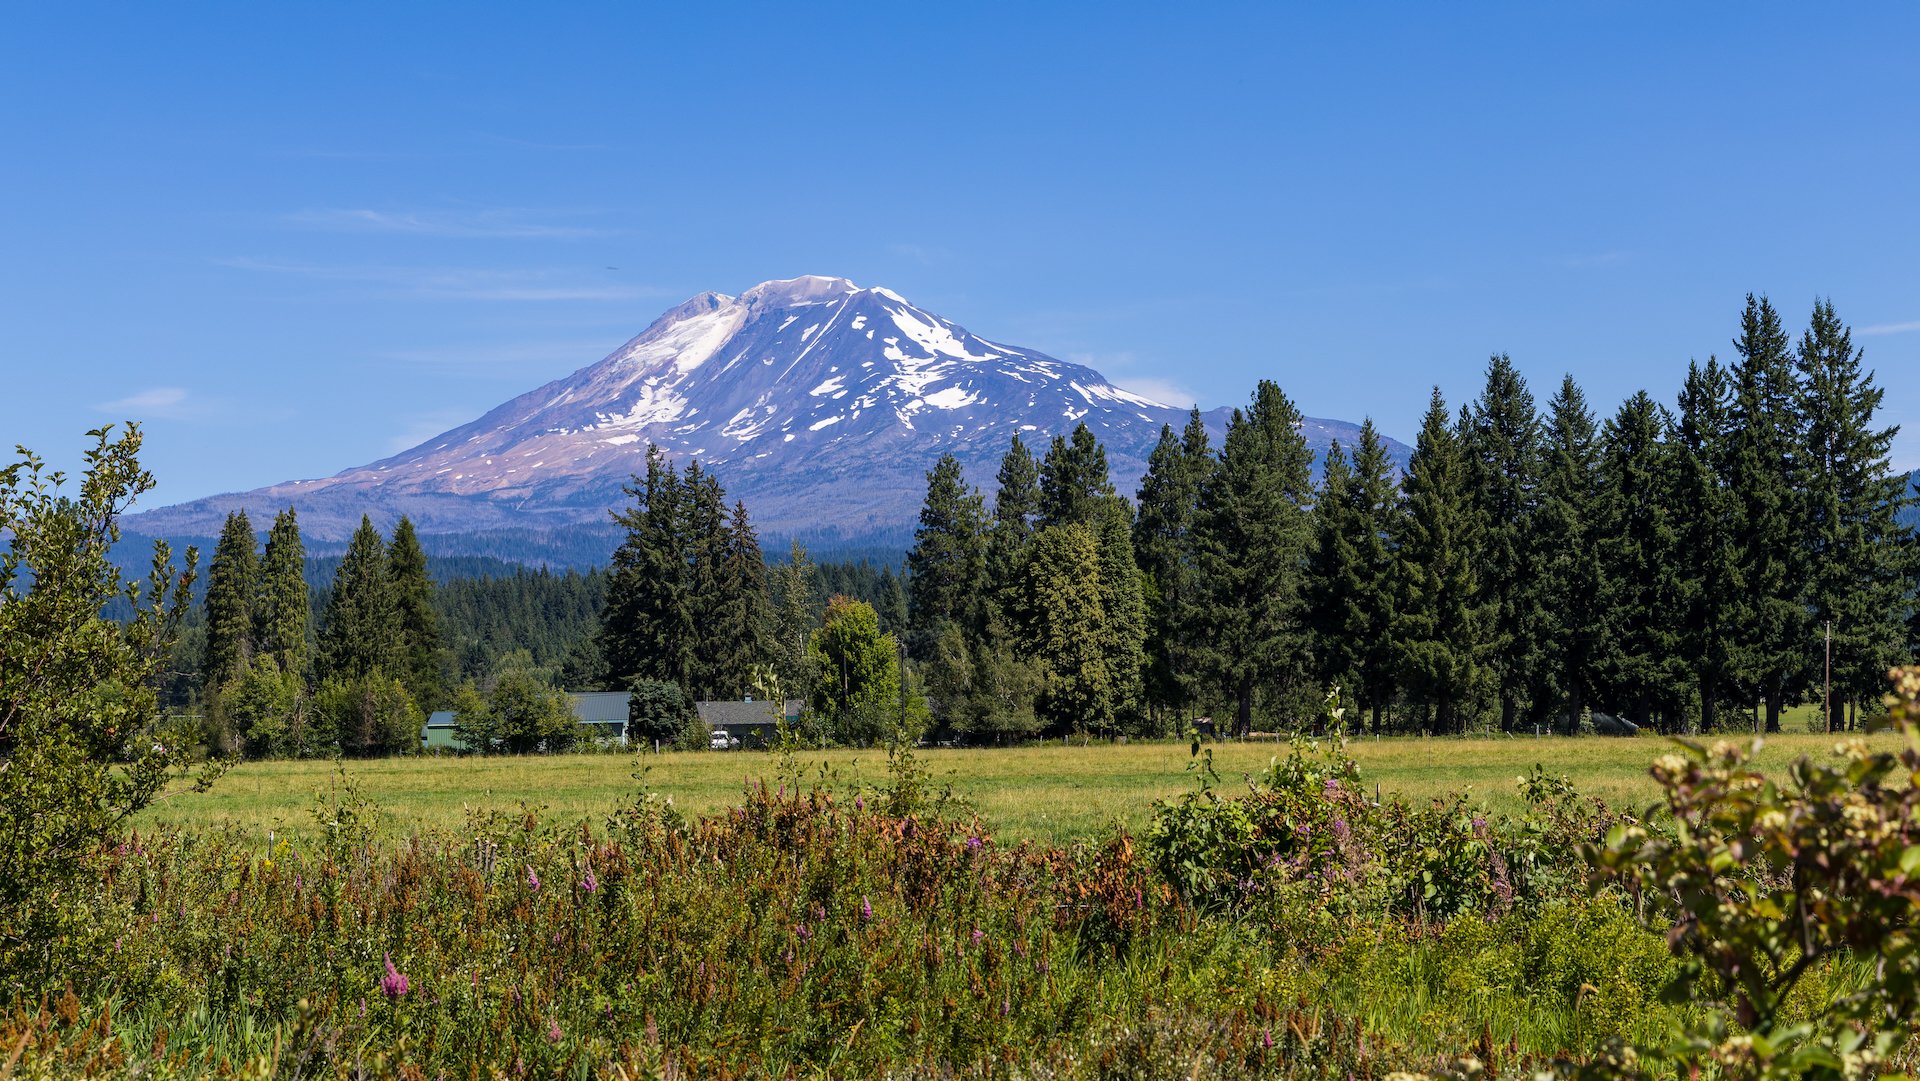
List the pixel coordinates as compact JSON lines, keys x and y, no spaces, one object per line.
{"x":1826,"y":694}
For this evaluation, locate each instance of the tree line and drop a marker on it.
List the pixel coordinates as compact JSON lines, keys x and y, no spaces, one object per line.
{"x":1680,"y":566}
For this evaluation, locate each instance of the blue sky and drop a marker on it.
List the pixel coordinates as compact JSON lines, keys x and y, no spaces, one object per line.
{"x":292,"y":239}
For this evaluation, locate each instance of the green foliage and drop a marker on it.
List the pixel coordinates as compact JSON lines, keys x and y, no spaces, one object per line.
{"x":267,"y":709}
{"x":419,"y":651}
{"x":948,"y":559}
{"x":1762,"y":882}
{"x":1441,"y":629}
{"x":658,"y":712}
{"x":366,"y":715}
{"x":83,"y":741}
{"x":360,"y":631}
{"x":233,"y":585}
{"x":1063,"y":625}
{"x":283,"y":615}
{"x":856,"y":673}
{"x":1502,"y":441}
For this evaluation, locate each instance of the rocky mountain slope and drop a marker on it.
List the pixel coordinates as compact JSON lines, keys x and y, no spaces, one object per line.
{"x":819,"y":403}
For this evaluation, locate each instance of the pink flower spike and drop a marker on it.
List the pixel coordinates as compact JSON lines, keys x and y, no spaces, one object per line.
{"x":533,"y":880}
{"x":590,"y":883}
{"x":553,"y":1031}
{"x":394,"y":983}
{"x":866,"y":908}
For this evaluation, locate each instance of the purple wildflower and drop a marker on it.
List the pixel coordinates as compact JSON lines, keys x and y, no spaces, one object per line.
{"x":394,"y":983}
{"x":1266,"y":1039}
{"x":979,"y":936}
{"x":866,"y":908}
{"x":590,"y":883}
{"x":553,"y":1031}
{"x":533,"y":880}
{"x":974,"y":842}
{"x":859,"y":803}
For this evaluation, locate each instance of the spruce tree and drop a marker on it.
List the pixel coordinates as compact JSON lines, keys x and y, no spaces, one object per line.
{"x":646,"y":627}
{"x":1374,"y":502}
{"x":1642,"y":670}
{"x":1063,"y":626}
{"x":1250,"y":539}
{"x":1163,"y":546}
{"x":1443,"y":626}
{"x":1766,"y":455}
{"x":284,"y":614}
{"x":1503,"y":451}
{"x":1707,"y":513}
{"x":1123,"y":601}
{"x":796,"y":612}
{"x":742,"y":623}
{"x":947,"y":565}
{"x":360,"y":629}
{"x":233,"y":586}
{"x":703,"y":535}
{"x":419,"y":627}
{"x":1571,"y":580}
{"x":1856,"y":549}
{"x":1073,"y":479}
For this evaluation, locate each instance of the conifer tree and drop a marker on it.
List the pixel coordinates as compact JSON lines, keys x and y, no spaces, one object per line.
{"x":703,"y":535}
{"x":1571,"y":580}
{"x":1063,"y":625}
{"x":281,"y":628}
{"x":1707,"y":521}
{"x":419,"y":627}
{"x":1250,"y":539}
{"x":1765,"y":474}
{"x":1502,"y":444}
{"x":1073,"y":478}
{"x":646,"y":628}
{"x":360,"y":629}
{"x":796,"y":607}
{"x":1642,"y":669}
{"x":947,"y":565}
{"x":233,"y":586}
{"x":1442,"y":627}
{"x":1124,"y":631}
{"x":1163,"y":545}
{"x":741,"y":624}
{"x":1015,"y":502}
{"x":1856,"y":550}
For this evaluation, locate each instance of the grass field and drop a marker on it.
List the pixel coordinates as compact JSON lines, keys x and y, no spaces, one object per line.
{"x":1045,"y":793}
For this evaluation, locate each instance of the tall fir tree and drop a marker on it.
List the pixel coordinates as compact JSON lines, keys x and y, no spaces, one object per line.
{"x":1642,"y":669}
{"x":1766,"y":460}
{"x":1016,"y":501}
{"x":948,"y":562}
{"x":1571,"y":579}
{"x":1856,"y":549}
{"x":1443,"y":625}
{"x":1503,"y":453}
{"x":1063,"y":626}
{"x":741,"y":624}
{"x":360,"y":628}
{"x":1707,"y":513}
{"x":1124,"y":632}
{"x":703,"y":535}
{"x":1168,"y":499}
{"x":420,"y":649}
{"x":233,"y":587}
{"x":1332,"y":567}
{"x":646,"y":628}
{"x":796,"y":612}
{"x":1250,"y":539}
{"x":1073,"y":479}
{"x":283,"y":619}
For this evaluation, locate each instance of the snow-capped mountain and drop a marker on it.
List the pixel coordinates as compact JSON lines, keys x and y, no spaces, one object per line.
{"x":819,"y":403}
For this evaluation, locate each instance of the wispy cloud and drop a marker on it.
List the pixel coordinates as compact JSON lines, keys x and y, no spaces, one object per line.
{"x":1123,"y":369}
{"x":497,"y":223}
{"x":155,"y":403}
{"x":1889,"y":328}
{"x":460,"y":283}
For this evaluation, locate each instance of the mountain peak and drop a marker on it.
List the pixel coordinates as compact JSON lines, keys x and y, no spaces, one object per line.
{"x":820,"y":403}
{"x":805,"y":289}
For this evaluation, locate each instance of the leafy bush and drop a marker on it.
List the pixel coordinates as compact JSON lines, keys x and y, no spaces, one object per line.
{"x":1762,"y":885}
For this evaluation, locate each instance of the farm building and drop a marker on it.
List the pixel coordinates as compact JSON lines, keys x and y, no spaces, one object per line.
{"x":605,"y":712}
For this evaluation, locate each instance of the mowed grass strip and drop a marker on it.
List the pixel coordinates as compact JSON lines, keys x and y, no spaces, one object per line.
{"x":1050,"y":793}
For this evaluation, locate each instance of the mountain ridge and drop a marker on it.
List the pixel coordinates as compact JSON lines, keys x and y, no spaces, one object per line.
{"x":819,"y":403}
